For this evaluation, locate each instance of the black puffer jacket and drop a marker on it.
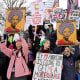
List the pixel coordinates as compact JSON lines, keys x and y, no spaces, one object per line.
{"x":2,"y":62}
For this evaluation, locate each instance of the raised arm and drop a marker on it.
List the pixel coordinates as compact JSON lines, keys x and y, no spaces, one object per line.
{"x":5,"y":50}
{"x":76,"y":53}
{"x":25,"y":49}
{"x":43,"y":27}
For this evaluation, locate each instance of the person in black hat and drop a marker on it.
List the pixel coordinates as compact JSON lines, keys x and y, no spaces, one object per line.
{"x":51,"y":35}
{"x":50,"y":26}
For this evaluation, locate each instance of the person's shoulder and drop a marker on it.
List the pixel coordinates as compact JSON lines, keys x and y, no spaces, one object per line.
{"x":50,"y":51}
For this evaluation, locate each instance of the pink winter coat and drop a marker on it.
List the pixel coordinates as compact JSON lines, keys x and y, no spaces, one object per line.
{"x":21,"y":67}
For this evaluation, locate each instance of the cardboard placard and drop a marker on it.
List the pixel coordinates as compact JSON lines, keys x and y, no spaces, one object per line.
{"x":47,"y":67}
{"x":15,"y":20}
{"x":66,"y":32}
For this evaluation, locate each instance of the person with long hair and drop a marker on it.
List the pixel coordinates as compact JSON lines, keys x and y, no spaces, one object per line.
{"x":18,"y":69}
{"x":44,"y":48}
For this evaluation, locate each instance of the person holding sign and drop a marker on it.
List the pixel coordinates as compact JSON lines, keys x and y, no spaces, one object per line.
{"x":69,"y":58}
{"x":50,"y":34}
{"x":45,"y":47}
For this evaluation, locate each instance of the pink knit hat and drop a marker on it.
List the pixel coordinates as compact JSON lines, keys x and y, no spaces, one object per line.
{"x":18,"y":40}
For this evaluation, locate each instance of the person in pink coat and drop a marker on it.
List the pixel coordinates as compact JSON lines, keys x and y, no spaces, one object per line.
{"x":18,"y":69}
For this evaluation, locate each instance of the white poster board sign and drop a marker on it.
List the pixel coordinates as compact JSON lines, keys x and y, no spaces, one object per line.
{"x":37,"y":19}
{"x":57,"y":14}
{"x":74,"y":14}
{"x":63,"y":4}
{"x":37,"y":6}
{"x":37,"y":9}
{"x":49,"y":4}
{"x":47,"y":67}
{"x":28,"y":22}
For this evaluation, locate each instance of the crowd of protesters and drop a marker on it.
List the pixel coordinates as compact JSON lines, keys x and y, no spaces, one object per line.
{"x":18,"y":54}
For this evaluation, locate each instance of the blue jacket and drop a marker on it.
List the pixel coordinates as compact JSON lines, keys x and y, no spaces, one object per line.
{"x":68,"y":73}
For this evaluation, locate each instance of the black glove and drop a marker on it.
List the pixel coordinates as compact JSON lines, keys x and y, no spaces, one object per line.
{"x":0,"y":38}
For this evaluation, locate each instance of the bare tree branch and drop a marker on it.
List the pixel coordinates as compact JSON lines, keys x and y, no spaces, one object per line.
{"x":16,"y":3}
{"x":21,"y":3}
{"x":1,"y":24}
{"x":2,"y":17}
{"x":6,"y":3}
{"x":13,"y":2}
{"x":10,"y":3}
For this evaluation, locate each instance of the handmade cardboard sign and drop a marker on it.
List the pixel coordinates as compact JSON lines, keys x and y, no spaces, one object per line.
{"x":47,"y":67}
{"x":37,"y":19}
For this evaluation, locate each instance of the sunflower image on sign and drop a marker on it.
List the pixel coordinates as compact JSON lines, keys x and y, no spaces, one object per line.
{"x":15,"y":20}
{"x":66,"y":32}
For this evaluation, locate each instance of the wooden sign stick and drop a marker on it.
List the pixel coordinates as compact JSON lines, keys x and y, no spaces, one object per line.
{"x":35,"y":33}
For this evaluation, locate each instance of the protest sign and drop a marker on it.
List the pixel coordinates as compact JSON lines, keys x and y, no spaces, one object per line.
{"x":74,"y":14}
{"x":37,"y":19}
{"x":65,"y":14}
{"x":37,"y":6}
{"x":55,"y":5}
{"x":57,"y":14}
{"x":66,"y":32}
{"x":61,"y":5}
{"x":48,"y":9}
{"x":47,"y":16}
{"x":15,"y":20}
{"x":37,"y":9}
{"x":28,"y":20}
{"x":49,"y":4}
{"x":79,"y":18}
{"x":47,"y":67}
{"x":71,"y":4}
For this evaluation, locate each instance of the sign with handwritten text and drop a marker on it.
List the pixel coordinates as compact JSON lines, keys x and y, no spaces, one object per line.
{"x":47,"y":67}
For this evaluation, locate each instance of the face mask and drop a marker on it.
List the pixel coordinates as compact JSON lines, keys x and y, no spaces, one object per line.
{"x":50,"y":30}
